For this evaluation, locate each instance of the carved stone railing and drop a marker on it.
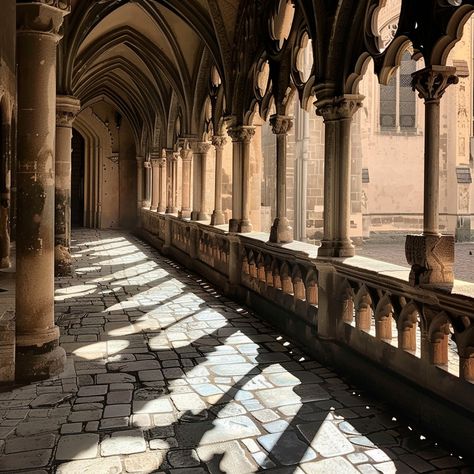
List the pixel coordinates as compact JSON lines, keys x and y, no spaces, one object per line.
{"x":7,"y":347}
{"x":350,"y":312}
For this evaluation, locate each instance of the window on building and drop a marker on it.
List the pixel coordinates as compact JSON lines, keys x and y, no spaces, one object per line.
{"x":398,"y":100}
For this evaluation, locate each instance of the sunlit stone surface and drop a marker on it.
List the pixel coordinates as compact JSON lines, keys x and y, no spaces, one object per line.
{"x":165,"y":374}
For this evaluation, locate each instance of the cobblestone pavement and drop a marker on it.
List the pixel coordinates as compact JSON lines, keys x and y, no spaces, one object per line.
{"x":394,"y":252}
{"x":165,"y":374}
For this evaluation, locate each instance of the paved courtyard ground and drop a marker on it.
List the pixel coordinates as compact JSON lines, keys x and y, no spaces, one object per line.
{"x":394,"y":252}
{"x":165,"y":374}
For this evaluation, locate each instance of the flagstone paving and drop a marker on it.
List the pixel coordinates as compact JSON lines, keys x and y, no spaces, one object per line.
{"x":165,"y":374}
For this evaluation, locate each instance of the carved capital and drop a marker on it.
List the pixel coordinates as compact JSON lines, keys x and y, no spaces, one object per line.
{"x":186,"y":154}
{"x":201,"y":148}
{"x":175,"y":156}
{"x":339,"y":108}
{"x":41,"y":16}
{"x":281,"y":124}
{"x":163,"y":158}
{"x":155,"y":163}
{"x":147,"y":165}
{"x":243,"y":133}
{"x":431,"y":82}
{"x":67,"y":108}
{"x":219,"y":141}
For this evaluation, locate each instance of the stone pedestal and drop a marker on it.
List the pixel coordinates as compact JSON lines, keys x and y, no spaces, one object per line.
{"x":217,"y":217}
{"x":66,"y":110}
{"x":281,"y":232}
{"x":38,"y":354}
{"x":432,"y":260}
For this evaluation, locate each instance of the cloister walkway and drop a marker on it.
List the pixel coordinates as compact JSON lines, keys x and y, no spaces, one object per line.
{"x":165,"y":374}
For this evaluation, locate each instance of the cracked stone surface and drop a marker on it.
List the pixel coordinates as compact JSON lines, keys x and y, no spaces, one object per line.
{"x":166,"y":375}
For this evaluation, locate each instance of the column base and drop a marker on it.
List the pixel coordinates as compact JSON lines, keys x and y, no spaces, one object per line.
{"x":233,"y":225}
{"x":161,"y":209}
{"x":245,"y":226}
{"x":336,"y":249}
{"x":195,"y":215}
{"x":62,"y":261}
{"x":184,"y":214}
{"x":203,"y":217}
{"x":153,"y":209}
{"x":5,"y":262}
{"x":217,"y":218}
{"x":432,"y":260}
{"x":39,"y":363}
{"x":281,"y":232}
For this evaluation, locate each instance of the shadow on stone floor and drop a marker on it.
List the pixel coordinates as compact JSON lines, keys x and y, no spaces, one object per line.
{"x":197,"y":384}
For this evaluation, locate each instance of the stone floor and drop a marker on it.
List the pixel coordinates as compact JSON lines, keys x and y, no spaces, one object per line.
{"x":394,"y":252}
{"x":165,"y":374}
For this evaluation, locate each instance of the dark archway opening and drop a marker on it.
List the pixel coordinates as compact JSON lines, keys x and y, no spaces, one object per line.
{"x":77,"y":180}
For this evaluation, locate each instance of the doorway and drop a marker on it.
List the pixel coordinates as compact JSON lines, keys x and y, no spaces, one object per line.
{"x":77,"y":180}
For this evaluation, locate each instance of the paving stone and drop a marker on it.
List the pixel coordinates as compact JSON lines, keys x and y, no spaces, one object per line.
{"x":75,"y":447}
{"x":336,"y":465}
{"x":109,"y":465}
{"x":113,"y":423}
{"x":115,"y":411}
{"x":287,"y":449}
{"x":37,"y":427}
{"x":277,"y":397}
{"x":91,"y":415}
{"x":115,"y":378}
{"x":226,"y":457}
{"x":183,"y":458}
{"x":50,"y":400}
{"x":30,"y":443}
{"x":119,"y":396}
{"x":162,"y":405}
{"x":26,"y":460}
{"x":188,"y":401}
{"x":123,"y":442}
{"x":326,"y":439}
{"x":144,"y":462}
{"x":71,"y":428}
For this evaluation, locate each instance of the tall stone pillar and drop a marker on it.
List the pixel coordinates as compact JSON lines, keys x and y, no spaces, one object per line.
{"x":187,"y":161}
{"x":162,"y":200}
{"x":337,"y":114}
{"x":169,"y":181}
{"x":241,"y":138}
{"x":200,"y":150}
{"x":155,"y":182}
{"x":431,"y":254}
{"x":217,"y":217}
{"x":174,"y":182}
{"x":5,"y":197}
{"x":147,"y":201}
{"x":140,"y":194}
{"x":38,"y":354}
{"x":66,"y":110}
{"x":281,"y":232}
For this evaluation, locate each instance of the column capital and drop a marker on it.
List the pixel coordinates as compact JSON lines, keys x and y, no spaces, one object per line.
{"x":201,"y":148}
{"x":67,"y":108}
{"x":155,"y":163}
{"x":175,"y":156}
{"x":432,"y":81}
{"x":163,"y":158}
{"x":281,"y":124}
{"x":219,"y":141}
{"x":186,"y":154}
{"x":41,"y":16}
{"x":147,"y":165}
{"x":242,"y":133}
{"x":339,"y":108}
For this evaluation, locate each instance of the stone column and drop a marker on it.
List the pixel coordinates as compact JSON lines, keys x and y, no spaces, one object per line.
{"x":200,"y":150}
{"x":140,"y":196}
{"x":217,"y":217}
{"x":281,"y":231}
{"x":241,"y":138}
{"x":147,"y":167}
{"x":431,"y":255}
{"x":155,"y":182}
{"x":38,"y":354}
{"x":162,"y":201}
{"x":5,"y":197}
{"x":169,"y":181}
{"x":337,"y":113}
{"x":66,"y":110}
{"x":174,"y":182}
{"x":187,"y":161}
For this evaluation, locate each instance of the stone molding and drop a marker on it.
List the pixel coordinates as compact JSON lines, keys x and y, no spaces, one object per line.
{"x":155,"y":163}
{"x":242,"y":133}
{"x":281,"y":124}
{"x":201,"y":148}
{"x":42,"y":16}
{"x":339,"y":108}
{"x":219,"y":141}
{"x":67,"y":108}
{"x":431,"y":82}
{"x":186,"y":154}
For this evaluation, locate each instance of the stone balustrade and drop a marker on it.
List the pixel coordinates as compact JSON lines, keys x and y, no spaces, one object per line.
{"x":359,"y":314}
{"x":7,"y":347}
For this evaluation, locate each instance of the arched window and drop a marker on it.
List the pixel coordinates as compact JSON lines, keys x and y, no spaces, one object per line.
{"x":398,"y":99}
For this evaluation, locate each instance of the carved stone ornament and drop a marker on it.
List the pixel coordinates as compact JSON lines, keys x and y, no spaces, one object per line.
{"x":114,"y":158}
{"x":201,"y":148}
{"x":219,"y":141}
{"x":431,"y":258}
{"x":243,"y":133}
{"x":42,"y":16}
{"x":281,"y":124}
{"x":67,"y":108}
{"x":155,"y":163}
{"x":147,"y":165}
{"x":186,"y":154}
{"x":339,"y":108}
{"x":431,"y":82}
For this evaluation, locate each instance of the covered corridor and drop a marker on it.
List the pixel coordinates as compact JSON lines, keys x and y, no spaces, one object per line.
{"x":165,"y":374}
